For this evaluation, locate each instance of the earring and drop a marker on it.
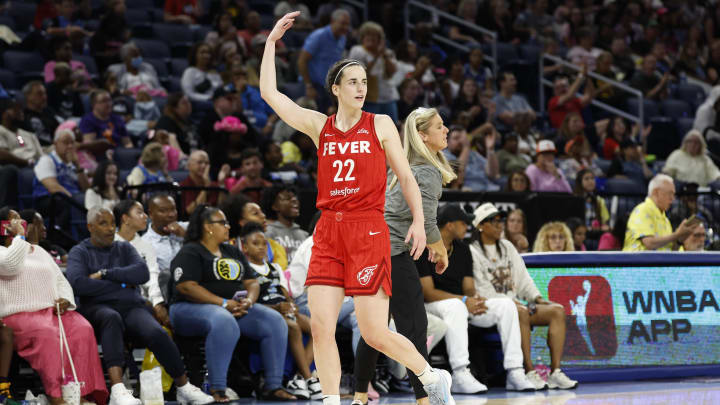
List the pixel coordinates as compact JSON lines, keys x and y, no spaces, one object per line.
{"x":210,"y":232}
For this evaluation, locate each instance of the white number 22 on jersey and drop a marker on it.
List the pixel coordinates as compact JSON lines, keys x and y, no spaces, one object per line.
{"x":339,"y":164}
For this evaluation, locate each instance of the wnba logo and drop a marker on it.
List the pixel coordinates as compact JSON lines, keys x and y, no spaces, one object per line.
{"x":591,"y":331}
{"x":365,"y":275}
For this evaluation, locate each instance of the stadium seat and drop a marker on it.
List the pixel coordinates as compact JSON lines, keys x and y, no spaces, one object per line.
{"x":139,"y":4}
{"x":650,"y":108}
{"x":160,"y":66}
{"x":173,"y":84}
{"x":530,"y":53}
{"x":692,"y":94}
{"x":663,"y":138}
{"x":126,"y":158}
{"x":89,"y":62}
{"x":23,"y":13}
{"x":621,"y":186}
{"x":152,"y":47}
{"x":21,"y":62}
{"x":684,"y":125}
{"x":7,"y":79}
{"x":178,"y":66}
{"x":8,"y":21}
{"x":201,"y":31}
{"x":294,"y":90}
{"x":676,"y":108}
{"x":137,"y":16}
{"x":173,"y":33}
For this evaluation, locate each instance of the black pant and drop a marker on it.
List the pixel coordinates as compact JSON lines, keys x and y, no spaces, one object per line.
{"x":113,"y":323}
{"x":8,"y":190}
{"x":407,"y":307}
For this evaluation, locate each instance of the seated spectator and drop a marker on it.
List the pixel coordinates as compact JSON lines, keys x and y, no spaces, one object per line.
{"x":622,"y":58}
{"x":630,"y":163}
{"x":596,"y":212}
{"x":105,"y":190}
{"x":176,"y":120}
{"x":573,"y":127}
{"x":274,"y":295}
{"x":526,"y":137}
{"x":112,"y":33}
{"x":39,"y":118}
{"x":565,"y":101}
{"x":613,"y":240}
{"x":240,"y":211}
{"x":515,"y":224}
{"x":152,"y":167}
{"x":543,"y":174}
{"x":62,"y":49}
{"x":65,"y":23}
{"x":105,"y":275}
{"x":508,"y":103}
{"x":578,"y":158}
{"x":135,"y":75}
{"x":17,"y":146}
{"x":518,"y":182}
{"x":284,"y":72}
{"x":382,"y":94}
{"x":62,"y":92}
{"x":453,"y":80}
{"x":200,"y":79}
{"x":520,"y":241}
{"x":261,"y":116}
{"x":690,"y":62}
{"x":647,"y":81}
{"x":534,"y":22}
{"x":691,"y":163}
{"x":706,"y":114}
{"x":509,"y":158}
{"x":37,"y":235}
{"x":474,"y":171}
{"x":468,"y":101}
{"x":411,"y":64}
{"x":468,"y":11}
{"x":321,"y":49}
{"x":615,"y":134}
{"x":250,"y":182}
{"x":605,"y":91}
{"x":688,"y":206}
{"x":101,"y":124}
{"x":221,"y":308}
{"x":59,"y":172}
{"x":696,"y":241}
{"x":199,"y":176}
{"x":165,"y":234}
{"x":476,"y":69}
{"x":712,"y":66}
{"x":182,"y":11}
{"x":578,"y":229}
{"x":452,"y":297}
{"x":303,"y":21}
{"x":554,"y":237}
{"x":35,"y":293}
{"x":499,"y":272}
{"x":583,"y":53}
{"x":130,"y":218}
{"x":273,"y":167}
{"x":281,"y":205}
{"x":648,"y":228}
{"x":410,"y":97}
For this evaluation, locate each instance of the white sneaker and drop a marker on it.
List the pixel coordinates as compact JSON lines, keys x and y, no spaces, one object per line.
{"x":298,"y":387}
{"x":558,"y":380}
{"x":516,"y":381}
{"x":119,"y":395}
{"x":439,"y":391}
{"x":463,"y":382}
{"x":190,"y":394}
{"x":536,"y":380}
{"x":313,"y":385}
{"x":231,"y":394}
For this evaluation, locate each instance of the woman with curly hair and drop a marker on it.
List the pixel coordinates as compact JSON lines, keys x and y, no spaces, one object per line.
{"x":554,"y":236}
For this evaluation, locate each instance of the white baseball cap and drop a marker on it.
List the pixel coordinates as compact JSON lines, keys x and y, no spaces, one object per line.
{"x":483,"y":212}
{"x":545,"y":146}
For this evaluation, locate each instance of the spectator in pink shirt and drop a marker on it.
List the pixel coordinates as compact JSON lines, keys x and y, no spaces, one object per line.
{"x":63,"y":53}
{"x":544,"y":174}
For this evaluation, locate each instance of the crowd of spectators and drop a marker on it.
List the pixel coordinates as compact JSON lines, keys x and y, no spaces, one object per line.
{"x":110,"y":86}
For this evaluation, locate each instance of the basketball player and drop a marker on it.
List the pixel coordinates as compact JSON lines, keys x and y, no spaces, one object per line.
{"x":351,"y":251}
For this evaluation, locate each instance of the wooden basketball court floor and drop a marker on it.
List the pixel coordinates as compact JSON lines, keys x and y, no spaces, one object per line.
{"x":692,"y":391}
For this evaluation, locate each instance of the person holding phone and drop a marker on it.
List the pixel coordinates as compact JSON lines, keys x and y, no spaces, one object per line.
{"x":206,"y":275}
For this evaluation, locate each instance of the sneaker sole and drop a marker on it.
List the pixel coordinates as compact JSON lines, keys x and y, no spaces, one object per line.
{"x":557,"y":387}
{"x":517,"y":390}
{"x":299,"y":394}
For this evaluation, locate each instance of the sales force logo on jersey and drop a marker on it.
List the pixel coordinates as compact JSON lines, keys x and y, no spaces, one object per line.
{"x":365,"y":275}
{"x":344,"y":192}
{"x":228,"y":269}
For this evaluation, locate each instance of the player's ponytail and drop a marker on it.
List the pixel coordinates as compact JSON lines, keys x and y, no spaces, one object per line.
{"x":415,"y":149}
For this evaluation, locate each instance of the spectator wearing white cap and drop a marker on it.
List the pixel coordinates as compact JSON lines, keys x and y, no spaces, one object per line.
{"x":499,"y":272}
{"x":544,"y":174}
{"x":453,"y":297}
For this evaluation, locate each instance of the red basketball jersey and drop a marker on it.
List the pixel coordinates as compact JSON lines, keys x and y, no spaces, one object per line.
{"x":351,"y":167}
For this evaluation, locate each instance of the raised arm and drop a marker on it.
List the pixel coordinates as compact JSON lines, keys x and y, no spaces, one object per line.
{"x":304,"y":120}
{"x":390,"y":140}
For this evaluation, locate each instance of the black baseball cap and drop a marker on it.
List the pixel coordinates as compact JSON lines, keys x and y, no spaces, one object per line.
{"x":223,"y":91}
{"x":451,"y":213}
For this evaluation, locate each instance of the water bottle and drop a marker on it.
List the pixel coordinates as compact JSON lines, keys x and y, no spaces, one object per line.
{"x":206,"y":384}
{"x":542,"y":370}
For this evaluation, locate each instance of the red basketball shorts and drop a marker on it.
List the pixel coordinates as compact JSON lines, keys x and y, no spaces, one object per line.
{"x":351,"y":250}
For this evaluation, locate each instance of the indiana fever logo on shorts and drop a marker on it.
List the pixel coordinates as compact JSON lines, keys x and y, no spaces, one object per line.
{"x":228,"y":269}
{"x":365,"y":275}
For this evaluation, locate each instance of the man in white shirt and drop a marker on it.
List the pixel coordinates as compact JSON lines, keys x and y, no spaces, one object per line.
{"x":18,"y":148}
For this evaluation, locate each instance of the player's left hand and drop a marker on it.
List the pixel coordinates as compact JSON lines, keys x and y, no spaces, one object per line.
{"x":416,"y":233}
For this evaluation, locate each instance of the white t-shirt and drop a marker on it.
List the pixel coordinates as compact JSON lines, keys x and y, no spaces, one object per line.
{"x":93,"y":198}
{"x":386,"y":90}
{"x":45,"y":167}
{"x":29,"y":148}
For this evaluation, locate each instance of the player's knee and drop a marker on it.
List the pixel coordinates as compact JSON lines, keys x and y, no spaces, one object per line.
{"x":378,"y":340}
{"x":322,"y":330}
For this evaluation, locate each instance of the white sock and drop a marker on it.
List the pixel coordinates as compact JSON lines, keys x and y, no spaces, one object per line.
{"x":331,"y":400}
{"x":428,"y":375}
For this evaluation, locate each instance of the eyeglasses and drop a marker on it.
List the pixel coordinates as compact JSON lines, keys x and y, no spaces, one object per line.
{"x":494,"y":220}
{"x":557,"y":236}
{"x":223,"y":222}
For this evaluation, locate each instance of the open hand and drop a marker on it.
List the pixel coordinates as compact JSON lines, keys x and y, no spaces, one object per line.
{"x":416,"y":233}
{"x":283,"y":24}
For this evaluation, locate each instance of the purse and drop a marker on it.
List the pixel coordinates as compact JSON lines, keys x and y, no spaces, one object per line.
{"x":70,"y":389}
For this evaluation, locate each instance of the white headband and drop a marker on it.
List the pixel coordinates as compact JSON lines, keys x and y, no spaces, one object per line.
{"x":353,"y":62}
